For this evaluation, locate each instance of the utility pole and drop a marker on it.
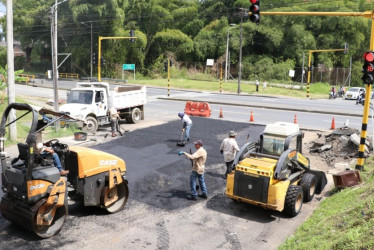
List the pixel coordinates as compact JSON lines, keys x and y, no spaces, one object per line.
{"x":54,"y":60}
{"x":10,"y":70}
{"x":227,"y":49}
{"x":55,"y":57}
{"x":91,"y":48}
{"x":242,"y":13}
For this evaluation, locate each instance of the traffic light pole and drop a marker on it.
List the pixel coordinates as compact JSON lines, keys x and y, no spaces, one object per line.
{"x":365,"y":117}
{"x":99,"y":53}
{"x":310,"y":66}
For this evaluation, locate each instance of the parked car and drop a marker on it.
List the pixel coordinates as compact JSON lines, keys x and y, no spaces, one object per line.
{"x":352,"y":93}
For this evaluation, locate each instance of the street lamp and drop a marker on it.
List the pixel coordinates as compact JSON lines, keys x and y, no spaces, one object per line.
{"x":227,"y":48}
{"x":91,"y":46}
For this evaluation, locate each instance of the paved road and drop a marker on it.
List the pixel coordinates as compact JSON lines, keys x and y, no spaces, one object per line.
{"x":158,"y":216}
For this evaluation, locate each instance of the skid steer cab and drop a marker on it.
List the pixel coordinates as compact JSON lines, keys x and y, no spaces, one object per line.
{"x":35,"y":195}
{"x":273,"y":173}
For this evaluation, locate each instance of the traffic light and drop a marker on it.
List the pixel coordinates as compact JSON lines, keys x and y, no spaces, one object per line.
{"x":255,"y":11}
{"x":94,"y":59}
{"x":346,"y":48}
{"x":368,"y":67}
{"x":132,"y":34}
{"x":102,"y":61}
{"x":166,"y":66}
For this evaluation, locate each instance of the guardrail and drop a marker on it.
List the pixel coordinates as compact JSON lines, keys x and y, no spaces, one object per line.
{"x":68,"y":75}
{"x":25,"y":78}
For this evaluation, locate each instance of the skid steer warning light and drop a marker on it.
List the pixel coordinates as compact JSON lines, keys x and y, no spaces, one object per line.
{"x":368,"y":68}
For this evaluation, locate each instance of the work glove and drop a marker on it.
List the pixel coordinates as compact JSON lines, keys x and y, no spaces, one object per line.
{"x":180,"y":152}
{"x":221,"y":151}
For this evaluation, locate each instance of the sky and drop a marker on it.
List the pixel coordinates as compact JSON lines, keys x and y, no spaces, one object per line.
{"x":2,"y":9}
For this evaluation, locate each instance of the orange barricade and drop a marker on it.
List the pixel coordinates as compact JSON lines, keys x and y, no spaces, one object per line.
{"x":198,"y":109}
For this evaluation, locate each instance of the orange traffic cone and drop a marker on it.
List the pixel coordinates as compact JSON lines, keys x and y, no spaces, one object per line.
{"x":333,"y":123}
{"x":295,"y":119}
{"x":220,"y":113}
{"x":251,"y":119}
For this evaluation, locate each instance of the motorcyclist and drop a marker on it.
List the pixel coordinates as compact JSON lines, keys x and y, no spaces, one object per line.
{"x":332,"y":92}
{"x":341,"y":91}
{"x":360,"y":97}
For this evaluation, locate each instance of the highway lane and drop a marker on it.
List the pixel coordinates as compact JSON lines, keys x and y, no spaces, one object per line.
{"x":158,"y":107}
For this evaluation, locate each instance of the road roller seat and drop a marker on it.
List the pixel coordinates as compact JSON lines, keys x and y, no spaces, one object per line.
{"x":23,"y":151}
{"x":21,"y":160}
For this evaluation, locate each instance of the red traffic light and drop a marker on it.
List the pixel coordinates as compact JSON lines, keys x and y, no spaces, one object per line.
{"x":255,"y":11}
{"x":369,"y":68}
{"x":369,"y":56}
{"x":254,"y":8}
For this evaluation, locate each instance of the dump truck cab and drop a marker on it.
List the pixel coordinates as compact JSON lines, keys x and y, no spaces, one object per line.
{"x":273,"y":173}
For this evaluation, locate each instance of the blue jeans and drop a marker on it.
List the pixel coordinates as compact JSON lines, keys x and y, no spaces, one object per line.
{"x":187,"y":132}
{"x":56,"y":159}
{"x":194,"y":175}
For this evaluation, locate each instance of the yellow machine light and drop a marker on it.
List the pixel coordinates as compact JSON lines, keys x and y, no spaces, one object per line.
{"x":302,"y":160}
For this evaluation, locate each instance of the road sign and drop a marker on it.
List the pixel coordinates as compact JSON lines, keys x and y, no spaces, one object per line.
{"x":128,"y":66}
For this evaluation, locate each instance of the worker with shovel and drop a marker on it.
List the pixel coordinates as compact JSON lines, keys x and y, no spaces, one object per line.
{"x":187,"y":124}
{"x":197,"y":173}
{"x":114,"y":116}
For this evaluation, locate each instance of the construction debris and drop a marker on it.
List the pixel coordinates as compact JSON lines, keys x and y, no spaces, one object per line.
{"x":340,"y":144}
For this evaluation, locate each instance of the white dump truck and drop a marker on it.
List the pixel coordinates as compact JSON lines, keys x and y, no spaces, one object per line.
{"x":92,"y":100}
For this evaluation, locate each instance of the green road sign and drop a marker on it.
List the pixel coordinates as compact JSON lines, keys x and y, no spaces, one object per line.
{"x":128,"y":66}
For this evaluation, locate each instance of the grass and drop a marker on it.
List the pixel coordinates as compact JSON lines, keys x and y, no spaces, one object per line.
{"x":317,"y":90}
{"x":343,"y":221}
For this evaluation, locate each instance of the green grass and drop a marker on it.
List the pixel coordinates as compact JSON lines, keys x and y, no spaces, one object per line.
{"x":343,"y":221}
{"x":317,"y":90}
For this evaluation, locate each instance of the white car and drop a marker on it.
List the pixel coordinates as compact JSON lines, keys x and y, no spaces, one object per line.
{"x":352,"y":93}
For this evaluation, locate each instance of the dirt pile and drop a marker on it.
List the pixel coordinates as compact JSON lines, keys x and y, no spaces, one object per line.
{"x":340,"y":145}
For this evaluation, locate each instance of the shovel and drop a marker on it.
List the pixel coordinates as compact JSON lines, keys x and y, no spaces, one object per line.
{"x":181,"y":143}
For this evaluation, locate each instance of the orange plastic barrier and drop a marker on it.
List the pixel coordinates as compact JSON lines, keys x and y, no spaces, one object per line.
{"x":198,"y":109}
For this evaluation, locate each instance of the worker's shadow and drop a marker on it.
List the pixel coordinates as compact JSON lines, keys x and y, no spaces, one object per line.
{"x":220,"y":203}
{"x":181,"y":194}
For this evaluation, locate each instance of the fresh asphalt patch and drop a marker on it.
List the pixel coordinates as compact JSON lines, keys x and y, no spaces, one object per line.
{"x":158,"y":176}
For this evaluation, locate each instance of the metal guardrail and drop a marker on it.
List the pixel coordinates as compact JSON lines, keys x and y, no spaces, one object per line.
{"x":25,"y":78}
{"x":68,"y":75}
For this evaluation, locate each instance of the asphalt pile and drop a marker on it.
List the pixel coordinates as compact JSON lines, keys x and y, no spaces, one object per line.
{"x":341,"y":144}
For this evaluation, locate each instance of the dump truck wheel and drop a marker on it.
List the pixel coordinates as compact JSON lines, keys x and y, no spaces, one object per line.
{"x":113,"y":200}
{"x":308,"y":183}
{"x":91,"y":125}
{"x":136,"y":115}
{"x":294,"y":200}
{"x":46,"y":231}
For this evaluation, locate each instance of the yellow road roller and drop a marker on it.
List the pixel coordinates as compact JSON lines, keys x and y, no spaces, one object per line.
{"x":35,"y":195}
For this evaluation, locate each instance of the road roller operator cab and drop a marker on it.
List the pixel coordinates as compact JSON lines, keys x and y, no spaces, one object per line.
{"x":35,"y":195}
{"x":273,"y":173}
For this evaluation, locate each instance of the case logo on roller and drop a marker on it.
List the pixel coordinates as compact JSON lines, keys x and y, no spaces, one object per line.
{"x":37,"y":186}
{"x":108,"y":162}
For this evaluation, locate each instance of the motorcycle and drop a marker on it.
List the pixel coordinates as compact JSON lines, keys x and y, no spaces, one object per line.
{"x":361,"y":99}
{"x":341,"y":92}
{"x":332,"y":95}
